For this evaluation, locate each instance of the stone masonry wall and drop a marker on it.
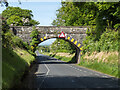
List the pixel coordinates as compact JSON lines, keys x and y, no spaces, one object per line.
{"x":78,"y":33}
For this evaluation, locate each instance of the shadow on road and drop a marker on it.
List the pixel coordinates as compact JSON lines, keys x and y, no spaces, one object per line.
{"x":53,"y":63}
{"x":62,"y":82}
{"x":51,"y":57}
{"x":52,"y":60}
{"x":36,"y":81}
{"x":75,"y":82}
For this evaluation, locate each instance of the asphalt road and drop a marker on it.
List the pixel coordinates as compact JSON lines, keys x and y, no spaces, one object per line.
{"x":53,"y":73}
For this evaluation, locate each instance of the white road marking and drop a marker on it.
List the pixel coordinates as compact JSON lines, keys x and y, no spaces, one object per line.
{"x":105,"y":76}
{"x":80,"y":70}
{"x":91,"y":73}
{"x":46,"y":74}
{"x":75,"y":68}
{"x":47,"y":69}
{"x":97,"y":74}
{"x":85,"y":71}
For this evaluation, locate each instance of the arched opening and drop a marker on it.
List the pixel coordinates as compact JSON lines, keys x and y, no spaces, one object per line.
{"x":76,"y":49}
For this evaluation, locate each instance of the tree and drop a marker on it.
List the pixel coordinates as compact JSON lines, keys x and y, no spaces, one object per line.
{"x":19,"y":17}
{"x":102,"y":17}
{"x":34,"y":35}
{"x":75,"y":14}
{"x":14,"y":20}
{"x":99,"y":15}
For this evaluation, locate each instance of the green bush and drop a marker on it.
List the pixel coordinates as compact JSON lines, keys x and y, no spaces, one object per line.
{"x":34,"y":35}
{"x":7,"y":39}
{"x":107,"y":42}
{"x":10,"y":41}
{"x":17,"y":41}
{"x":14,"y":66}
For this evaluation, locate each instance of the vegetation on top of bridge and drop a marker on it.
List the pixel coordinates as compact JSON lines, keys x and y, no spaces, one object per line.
{"x":34,"y":43}
{"x":102,"y":17}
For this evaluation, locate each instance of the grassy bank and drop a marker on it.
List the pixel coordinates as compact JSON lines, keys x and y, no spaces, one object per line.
{"x":104,"y":62}
{"x":14,"y":63}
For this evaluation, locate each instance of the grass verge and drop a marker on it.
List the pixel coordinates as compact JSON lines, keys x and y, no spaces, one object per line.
{"x":102,"y":67}
{"x":105,"y":62}
{"x":14,"y":63}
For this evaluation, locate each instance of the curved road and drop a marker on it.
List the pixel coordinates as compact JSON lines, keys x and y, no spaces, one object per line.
{"x":53,"y":73}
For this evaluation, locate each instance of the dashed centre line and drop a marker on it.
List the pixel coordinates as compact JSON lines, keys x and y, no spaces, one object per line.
{"x":97,"y":74}
{"x":86,"y":71}
{"x":91,"y":73}
{"x":80,"y":70}
{"x":104,"y":76}
{"x":76,"y":68}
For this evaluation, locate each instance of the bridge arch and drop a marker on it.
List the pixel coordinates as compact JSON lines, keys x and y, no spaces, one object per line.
{"x":69,"y":39}
{"x":74,"y":34}
{"x":72,"y":41}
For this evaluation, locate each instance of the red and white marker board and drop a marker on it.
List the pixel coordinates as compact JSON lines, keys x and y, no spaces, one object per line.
{"x":62,"y":35}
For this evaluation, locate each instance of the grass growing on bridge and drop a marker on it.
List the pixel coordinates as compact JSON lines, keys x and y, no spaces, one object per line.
{"x":13,"y":66}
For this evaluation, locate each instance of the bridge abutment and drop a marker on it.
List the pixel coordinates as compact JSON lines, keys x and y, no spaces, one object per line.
{"x":77,"y":56}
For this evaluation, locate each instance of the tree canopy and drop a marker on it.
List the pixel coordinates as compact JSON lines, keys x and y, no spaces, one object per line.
{"x":102,"y":17}
{"x":97,"y":14}
{"x":88,"y":14}
{"x":19,"y":17}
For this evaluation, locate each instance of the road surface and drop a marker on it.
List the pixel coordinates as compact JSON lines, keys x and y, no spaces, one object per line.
{"x":53,"y":73}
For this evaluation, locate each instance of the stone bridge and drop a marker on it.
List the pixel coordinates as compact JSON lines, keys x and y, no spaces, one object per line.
{"x":74,"y":35}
